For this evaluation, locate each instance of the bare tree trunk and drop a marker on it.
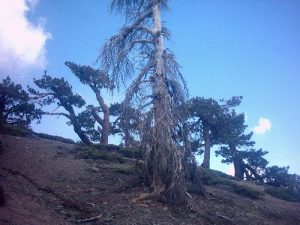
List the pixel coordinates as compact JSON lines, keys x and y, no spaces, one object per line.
{"x":76,"y":126}
{"x":127,"y":139}
{"x":105,"y":121}
{"x":239,"y":166}
{"x":206,"y":160}
{"x":80,"y":133}
{"x":165,"y":170}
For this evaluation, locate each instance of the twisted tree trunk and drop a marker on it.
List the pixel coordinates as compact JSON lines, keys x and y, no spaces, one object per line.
{"x":105,"y":121}
{"x":165,"y":170}
{"x":239,"y":165}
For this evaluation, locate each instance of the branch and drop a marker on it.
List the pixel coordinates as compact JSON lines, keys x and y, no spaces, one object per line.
{"x":136,"y":24}
{"x":57,"y":114}
{"x":146,"y":29}
{"x":97,"y":117}
{"x":135,"y":84}
{"x":195,"y":124}
{"x":42,"y":95}
{"x":125,"y":51}
{"x":257,"y":176}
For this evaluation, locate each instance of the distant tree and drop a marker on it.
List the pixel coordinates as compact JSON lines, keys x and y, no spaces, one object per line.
{"x":288,"y":185}
{"x":277,"y":176}
{"x":15,"y":105}
{"x":96,"y":80}
{"x":126,"y":126}
{"x":205,"y":122}
{"x":204,"y":114}
{"x":237,"y":148}
{"x":59,"y":91}
{"x":138,"y":54}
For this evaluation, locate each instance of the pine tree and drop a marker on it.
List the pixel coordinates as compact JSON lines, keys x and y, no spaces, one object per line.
{"x":59,"y":91}
{"x":96,"y":80}
{"x":138,"y":54}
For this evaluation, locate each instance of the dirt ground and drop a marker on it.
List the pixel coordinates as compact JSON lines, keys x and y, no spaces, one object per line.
{"x":45,"y":184}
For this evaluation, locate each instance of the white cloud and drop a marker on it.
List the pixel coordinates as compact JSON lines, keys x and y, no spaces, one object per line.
{"x":263,"y":126}
{"x":22,"y":43}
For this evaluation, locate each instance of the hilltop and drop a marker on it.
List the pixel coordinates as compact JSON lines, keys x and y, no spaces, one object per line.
{"x":53,"y":181}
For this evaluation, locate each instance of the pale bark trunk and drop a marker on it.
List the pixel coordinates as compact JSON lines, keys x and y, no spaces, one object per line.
{"x":165,"y":166}
{"x":206,"y":160}
{"x":105,"y":121}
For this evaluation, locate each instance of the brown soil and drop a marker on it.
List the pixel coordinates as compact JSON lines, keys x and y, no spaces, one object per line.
{"x":45,"y":184}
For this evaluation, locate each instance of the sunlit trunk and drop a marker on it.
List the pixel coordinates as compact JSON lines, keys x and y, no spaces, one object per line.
{"x":105,"y":121}
{"x":206,"y":160}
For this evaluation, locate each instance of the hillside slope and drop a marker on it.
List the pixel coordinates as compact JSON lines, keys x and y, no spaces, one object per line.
{"x":45,"y":182}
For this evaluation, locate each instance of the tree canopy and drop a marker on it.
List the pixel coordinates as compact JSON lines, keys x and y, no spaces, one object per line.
{"x":16,"y":106}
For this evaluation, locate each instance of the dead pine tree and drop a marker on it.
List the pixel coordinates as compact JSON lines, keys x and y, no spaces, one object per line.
{"x":156,"y":87}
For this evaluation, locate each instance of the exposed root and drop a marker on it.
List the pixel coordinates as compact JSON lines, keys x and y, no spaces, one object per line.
{"x":87,"y":220}
{"x":158,"y":194}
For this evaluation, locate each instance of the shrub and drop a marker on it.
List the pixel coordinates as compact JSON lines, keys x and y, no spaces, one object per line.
{"x":246,"y":191}
{"x":217,"y":178}
{"x":94,"y":153}
{"x":213,"y":177}
{"x":108,"y":147}
{"x":132,"y":152}
{"x":15,"y":130}
{"x":127,"y":169}
{"x":283,"y":193}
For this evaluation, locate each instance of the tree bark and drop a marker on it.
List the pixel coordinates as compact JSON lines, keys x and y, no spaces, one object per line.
{"x":76,"y":125}
{"x":206,"y":160}
{"x":239,"y":166}
{"x":165,"y":170}
{"x":105,"y":121}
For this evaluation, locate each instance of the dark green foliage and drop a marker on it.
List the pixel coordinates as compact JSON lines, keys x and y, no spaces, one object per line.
{"x":285,"y":186}
{"x":237,"y":148}
{"x":277,"y":176}
{"x":208,"y":123}
{"x":15,"y":130}
{"x":126,"y":124}
{"x":108,"y":147}
{"x":132,"y":152}
{"x":59,"y":91}
{"x":283,"y":193}
{"x":247,"y":191}
{"x":127,"y":169}
{"x":213,"y":177}
{"x":15,"y":105}
{"x":54,"y":138}
{"x":217,"y":178}
{"x":94,"y":153}
{"x":96,"y":80}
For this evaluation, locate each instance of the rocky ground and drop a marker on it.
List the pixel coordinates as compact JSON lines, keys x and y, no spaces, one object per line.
{"x":46,"y":183}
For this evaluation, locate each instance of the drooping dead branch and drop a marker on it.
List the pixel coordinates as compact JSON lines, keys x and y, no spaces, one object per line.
{"x":137,"y":54}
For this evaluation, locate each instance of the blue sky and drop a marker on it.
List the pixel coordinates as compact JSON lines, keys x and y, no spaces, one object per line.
{"x":226,"y":48}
